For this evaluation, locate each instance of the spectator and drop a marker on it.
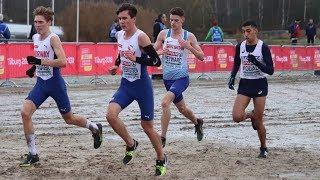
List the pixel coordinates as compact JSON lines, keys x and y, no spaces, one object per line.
{"x":295,"y":31}
{"x":311,"y":31}
{"x":115,"y":27}
{"x":159,"y":25}
{"x":215,"y":33}
{"x":4,"y":30}
{"x":32,"y":31}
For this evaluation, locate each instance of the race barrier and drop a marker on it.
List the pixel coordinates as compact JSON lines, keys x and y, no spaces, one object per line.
{"x":90,"y":59}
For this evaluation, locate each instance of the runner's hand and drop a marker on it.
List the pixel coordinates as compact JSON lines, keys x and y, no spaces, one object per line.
{"x":33,"y":60}
{"x":113,"y":70}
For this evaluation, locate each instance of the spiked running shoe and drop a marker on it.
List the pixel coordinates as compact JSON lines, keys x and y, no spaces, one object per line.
{"x":97,"y":137}
{"x":163,"y":141}
{"x":130,"y":152}
{"x":199,"y":130}
{"x":161,"y":166}
{"x":263,"y":152}
{"x":30,"y":160}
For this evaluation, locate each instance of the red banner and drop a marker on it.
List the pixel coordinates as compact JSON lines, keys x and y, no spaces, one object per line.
{"x":207,"y":65}
{"x":96,"y":59}
{"x":17,"y":63}
{"x":70,"y":50}
{"x":305,"y":61}
{"x":224,"y":57}
{"x":3,"y":57}
{"x":290,"y":58}
{"x":105,"y":57}
{"x":314,"y":53}
{"x":86,"y":54}
{"x":277,"y":58}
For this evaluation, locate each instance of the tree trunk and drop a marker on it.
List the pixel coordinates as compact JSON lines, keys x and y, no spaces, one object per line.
{"x":241,"y":9}
{"x":260,"y":13}
{"x":228,"y":12}
{"x":249,"y":9}
{"x":283,"y":16}
{"x":305,"y":10}
{"x":288,"y":12}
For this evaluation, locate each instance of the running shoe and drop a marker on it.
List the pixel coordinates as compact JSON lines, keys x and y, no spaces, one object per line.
{"x":161,"y":166}
{"x":263,"y":152}
{"x":130,"y":152}
{"x":97,"y":137}
{"x":30,"y":160}
{"x":199,"y":130}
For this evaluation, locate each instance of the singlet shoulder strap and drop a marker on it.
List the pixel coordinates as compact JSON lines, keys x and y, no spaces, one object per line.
{"x":185,"y":34}
{"x":169,"y":33}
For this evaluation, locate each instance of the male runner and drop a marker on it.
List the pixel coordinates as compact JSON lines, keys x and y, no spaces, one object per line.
{"x":135,"y":84}
{"x":254,"y":59}
{"x":176,"y":44}
{"x":49,"y":57}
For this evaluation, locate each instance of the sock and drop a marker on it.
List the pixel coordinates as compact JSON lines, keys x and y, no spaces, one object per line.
{"x":31,"y":141}
{"x":92,"y":126}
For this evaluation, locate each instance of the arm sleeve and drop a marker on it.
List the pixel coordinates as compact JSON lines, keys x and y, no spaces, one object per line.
{"x":237,"y":62}
{"x":268,"y":68}
{"x":152,"y":59}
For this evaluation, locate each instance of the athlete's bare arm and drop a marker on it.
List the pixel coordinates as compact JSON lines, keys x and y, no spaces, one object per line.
{"x":61,"y":60}
{"x":192,"y":45}
{"x":160,"y":39}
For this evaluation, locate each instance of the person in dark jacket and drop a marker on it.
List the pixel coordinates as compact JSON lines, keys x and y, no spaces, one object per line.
{"x":295,"y":31}
{"x":311,"y":31}
{"x":4,"y":30}
{"x":159,"y":25}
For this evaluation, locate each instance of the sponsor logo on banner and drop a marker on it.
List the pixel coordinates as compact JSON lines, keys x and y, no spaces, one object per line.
{"x":281,"y":59}
{"x":1,"y":64}
{"x":103,"y":60}
{"x":70,"y":60}
{"x":294,"y":58}
{"x":305,"y":59}
{"x":86,"y":59}
{"x":191,"y":60}
{"x":17,"y":62}
{"x":222,"y":58}
{"x":208,"y":59}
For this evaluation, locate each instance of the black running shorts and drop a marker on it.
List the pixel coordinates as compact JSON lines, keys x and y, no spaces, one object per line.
{"x":253,"y":87}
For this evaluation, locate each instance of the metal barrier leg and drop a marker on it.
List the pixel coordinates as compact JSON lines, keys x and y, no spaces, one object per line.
{"x":204,"y":76}
{"x":97,"y":80}
{"x":8,"y":83}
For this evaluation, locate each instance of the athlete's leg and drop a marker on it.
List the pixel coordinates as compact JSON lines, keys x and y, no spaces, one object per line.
{"x":62,"y":99}
{"x":183,"y":109}
{"x":117,"y":125}
{"x":259,"y":106}
{"x":35,"y":98}
{"x":175,"y":88}
{"x":239,"y":107}
{"x":166,"y":112}
{"x":26,"y":113}
{"x":80,"y":121}
{"x":154,"y":138}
